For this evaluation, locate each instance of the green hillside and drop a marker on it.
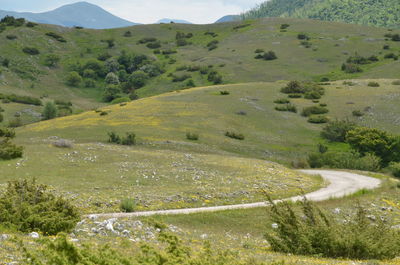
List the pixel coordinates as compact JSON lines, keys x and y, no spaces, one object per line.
{"x":383,"y":13}
{"x":199,"y":55}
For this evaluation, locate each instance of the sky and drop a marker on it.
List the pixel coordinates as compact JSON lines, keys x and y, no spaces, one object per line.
{"x":146,"y":11}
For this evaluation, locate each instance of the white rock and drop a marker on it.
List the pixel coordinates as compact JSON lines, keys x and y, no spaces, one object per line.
{"x":275,"y":226}
{"x":204,"y":236}
{"x":4,"y":237}
{"x":34,"y":235}
{"x":337,"y":211}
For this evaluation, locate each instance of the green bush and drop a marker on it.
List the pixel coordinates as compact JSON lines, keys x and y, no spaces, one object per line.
{"x":30,"y":51}
{"x":336,"y":131}
{"x":303,"y":36}
{"x":358,"y":113}
{"x":192,"y":136}
{"x":154,"y":45}
{"x":120,"y":100}
{"x":214,"y":77}
{"x":56,"y":36}
{"x":347,"y":160}
{"x":269,"y":56}
{"x":374,"y":141}
{"x":395,"y":169}
{"x":11,"y":37}
{"x":129,"y":139}
{"x":396,"y":83}
{"x":316,"y":233}
{"x":26,"y":206}
{"x":9,"y":150}
{"x":284,"y":26}
{"x":295,"y":95}
{"x":318,"y":119}
{"x":22,"y":99}
{"x":51,"y":60}
{"x":73,"y":79}
{"x":128,"y":205}
{"x":282,"y":101}
{"x":147,"y":40}
{"x":351,"y":68}
{"x":287,"y":107}
{"x":50,"y":111}
{"x":374,"y":84}
{"x":297,"y":87}
{"x":168,"y":249}
{"x":391,"y":56}
{"x":234,"y":135}
{"x":308,"y":111}
{"x":224,"y":93}
{"x":114,"y":138}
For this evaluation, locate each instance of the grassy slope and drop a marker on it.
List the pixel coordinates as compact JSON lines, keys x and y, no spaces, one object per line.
{"x":215,"y":169}
{"x":332,"y":44}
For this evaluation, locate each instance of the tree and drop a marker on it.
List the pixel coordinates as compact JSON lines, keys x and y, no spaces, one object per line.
{"x":138,"y":79}
{"x":111,"y":92}
{"x":380,"y":143}
{"x":112,"y":79}
{"x":51,"y":60}
{"x":50,"y":111}
{"x":73,"y":79}
{"x":335,"y":131}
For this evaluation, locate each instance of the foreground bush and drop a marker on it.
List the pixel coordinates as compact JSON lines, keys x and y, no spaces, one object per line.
{"x":9,"y":151}
{"x":313,"y":232}
{"x":128,"y":205}
{"x":26,"y":206}
{"x":61,"y":251}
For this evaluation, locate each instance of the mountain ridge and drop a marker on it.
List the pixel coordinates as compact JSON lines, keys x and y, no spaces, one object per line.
{"x":81,"y":14}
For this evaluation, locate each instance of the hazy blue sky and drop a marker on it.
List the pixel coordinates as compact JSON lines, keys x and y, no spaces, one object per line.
{"x":147,"y":11}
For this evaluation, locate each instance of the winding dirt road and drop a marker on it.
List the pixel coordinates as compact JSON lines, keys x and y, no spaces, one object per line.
{"x":340,"y":184}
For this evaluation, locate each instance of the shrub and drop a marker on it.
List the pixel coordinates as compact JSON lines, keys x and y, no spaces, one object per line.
{"x":73,"y":79}
{"x":111,"y":92}
{"x":56,"y":36}
{"x":396,"y":83}
{"x":129,"y":139}
{"x":303,"y":36}
{"x":192,"y":136}
{"x":284,"y":26}
{"x":112,"y":79}
{"x":391,"y":56}
{"x":358,"y":113}
{"x":49,"y":111}
{"x":318,"y":119}
{"x":26,"y":206}
{"x":336,"y":131}
{"x":395,"y":169}
{"x":154,"y":45}
{"x":63,"y":143}
{"x":234,"y":135}
{"x":138,"y":79}
{"x":120,"y":100}
{"x":386,"y":47}
{"x":11,"y":37}
{"x":312,"y":95}
{"x":314,"y":232}
{"x":351,"y":68}
{"x":295,"y":95}
{"x":31,"y":25}
{"x":347,"y":160}
{"x":114,"y":138}
{"x":308,"y":111}
{"x":296,"y":87}
{"x":128,"y":205}
{"x":22,"y":99}
{"x":224,"y":93}
{"x":282,"y":101}
{"x":259,"y":51}
{"x":287,"y":107}
{"x":374,"y":84}
{"x":269,"y":56}
{"x":127,"y":34}
{"x":1,"y":117}
{"x":374,"y":141}
{"x":147,"y":40}
{"x":30,"y":51}
{"x":9,"y":150}
{"x":396,"y":37}
{"x":51,"y":60}
{"x":214,"y":77}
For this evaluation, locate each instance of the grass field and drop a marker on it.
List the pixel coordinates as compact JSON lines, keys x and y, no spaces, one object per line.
{"x":331,"y":44}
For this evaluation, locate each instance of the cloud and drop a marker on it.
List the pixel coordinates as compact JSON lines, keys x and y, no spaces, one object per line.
{"x":148,"y":11}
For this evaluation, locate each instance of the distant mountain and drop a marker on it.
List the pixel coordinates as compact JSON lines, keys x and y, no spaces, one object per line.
{"x":228,"y":18}
{"x":168,"y":20}
{"x":384,"y":13}
{"x":78,"y":14}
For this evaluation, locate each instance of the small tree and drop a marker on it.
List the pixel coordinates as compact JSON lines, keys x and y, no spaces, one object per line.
{"x":74,"y":79}
{"x":111,"y":92}
{"x":112,"y":79}
{"x":138,"y":79}
{"x":50,"y":111}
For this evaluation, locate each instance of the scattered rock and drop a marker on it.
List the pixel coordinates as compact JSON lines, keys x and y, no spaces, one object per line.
{"x":34,"y":235}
